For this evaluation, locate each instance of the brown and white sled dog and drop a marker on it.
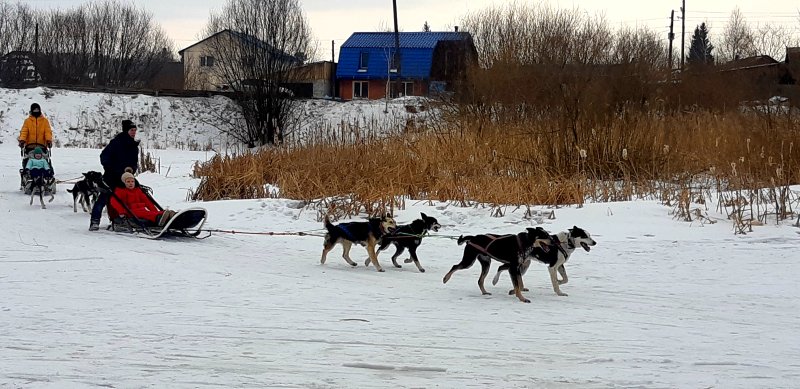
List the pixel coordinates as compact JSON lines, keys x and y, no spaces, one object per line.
{"x":563,"y":244}
{"x":510,"y":250}
{"x":368,"y":233}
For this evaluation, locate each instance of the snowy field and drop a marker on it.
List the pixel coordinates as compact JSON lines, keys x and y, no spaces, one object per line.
{"x":657,"y":303}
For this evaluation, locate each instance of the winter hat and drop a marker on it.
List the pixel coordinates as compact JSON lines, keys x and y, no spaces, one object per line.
{"x":126,"y":175}
{"x":127,"y":125}
{"x":38,"y":150}
{"x":35,"y":109}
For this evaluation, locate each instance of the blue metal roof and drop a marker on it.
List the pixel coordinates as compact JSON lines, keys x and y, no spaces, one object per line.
{"x":408,"y":40}
{"x":416,"y":53}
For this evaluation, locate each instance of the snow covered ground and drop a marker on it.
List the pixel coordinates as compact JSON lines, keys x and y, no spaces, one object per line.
{"x":658,"y":303}
{"x":81,"y":119}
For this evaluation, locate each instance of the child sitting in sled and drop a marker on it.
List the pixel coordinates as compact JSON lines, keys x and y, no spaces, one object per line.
{"x":138,"y":203}
{"x":38,"y":166}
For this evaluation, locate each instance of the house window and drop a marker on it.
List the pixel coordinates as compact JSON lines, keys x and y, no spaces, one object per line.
{"x":360,"y":89}
{"x":206,"y":60}
{"x":363,"y":61}
{"x":408,"y":88}
{"x":393,"y":62}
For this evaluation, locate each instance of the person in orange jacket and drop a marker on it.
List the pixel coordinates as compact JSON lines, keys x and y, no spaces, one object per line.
{"x":35,"y":130}
{"x":138,"y":203}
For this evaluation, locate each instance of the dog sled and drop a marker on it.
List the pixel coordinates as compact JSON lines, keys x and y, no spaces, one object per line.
{"x":184,"y":223}
{"x":45,"y":186}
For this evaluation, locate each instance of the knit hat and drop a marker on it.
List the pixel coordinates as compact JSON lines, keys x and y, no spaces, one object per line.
{"x":126,"y":175}
{"x":127,"y":125}
{"x":35,"y":109}
{"x":38,"y":150}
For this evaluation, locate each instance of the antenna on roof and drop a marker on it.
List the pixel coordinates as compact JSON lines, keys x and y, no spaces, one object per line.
{"x":396,"y":48}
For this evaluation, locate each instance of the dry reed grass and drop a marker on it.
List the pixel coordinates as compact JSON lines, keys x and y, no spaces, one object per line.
{"x":676,"y":159}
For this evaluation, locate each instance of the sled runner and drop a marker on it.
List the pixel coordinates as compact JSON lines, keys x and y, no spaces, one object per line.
{"x":187,"y":223}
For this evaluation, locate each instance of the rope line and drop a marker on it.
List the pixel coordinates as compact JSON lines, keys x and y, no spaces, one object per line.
{"x":311,"y":233}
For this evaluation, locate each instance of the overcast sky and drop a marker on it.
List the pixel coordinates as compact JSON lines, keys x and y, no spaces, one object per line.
{"x":337,"y":19}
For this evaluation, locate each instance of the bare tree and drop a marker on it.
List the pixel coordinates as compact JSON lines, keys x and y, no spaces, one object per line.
{"x":738,"y":39}
{"x":105,"y":43}
{"x":772,"y":39}
{"x":256,"y":44}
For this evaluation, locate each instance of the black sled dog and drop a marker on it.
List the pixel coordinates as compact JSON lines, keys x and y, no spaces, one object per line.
{"x":86,"y":190}
{"x":368,"y":233}
{"x":39,"y":185}
{"x":563,"y":244}
{"x":408,"y":236}
{"x":510,"y":250}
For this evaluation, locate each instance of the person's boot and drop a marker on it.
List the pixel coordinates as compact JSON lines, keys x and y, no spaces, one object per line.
{"x":94,"y":225}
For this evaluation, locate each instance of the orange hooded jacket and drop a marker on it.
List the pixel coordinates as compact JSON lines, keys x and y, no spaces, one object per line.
{"x":36,"y":130}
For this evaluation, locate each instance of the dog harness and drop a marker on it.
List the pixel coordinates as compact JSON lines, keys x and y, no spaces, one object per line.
{"x":494,"y":238}
{"x":570,"y":244}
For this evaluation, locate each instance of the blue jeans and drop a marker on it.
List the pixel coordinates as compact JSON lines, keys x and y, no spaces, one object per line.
{"x":99,"y":206}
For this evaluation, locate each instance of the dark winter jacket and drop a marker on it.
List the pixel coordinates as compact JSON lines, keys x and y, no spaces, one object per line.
{"x":121,"y":152}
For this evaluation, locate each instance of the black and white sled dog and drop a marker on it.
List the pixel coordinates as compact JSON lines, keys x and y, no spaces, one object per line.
{"x":408,"y":236}
{"x":510,"y":250}
{"x":86,"y":190}
{"x":368,"y":233}
{"x":38,"y":187}
{"x":563,"y":244}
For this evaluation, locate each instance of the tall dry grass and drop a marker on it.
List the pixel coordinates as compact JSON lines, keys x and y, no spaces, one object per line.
{"x":676,"y":159}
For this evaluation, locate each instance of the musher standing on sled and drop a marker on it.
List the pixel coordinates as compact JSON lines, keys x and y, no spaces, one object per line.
{"x":120,"y":154}
{"x":35,"y":131}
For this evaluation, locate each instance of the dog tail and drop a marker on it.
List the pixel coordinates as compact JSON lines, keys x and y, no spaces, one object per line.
{"x":328,"y":225}
{"x":462,"y":239}
{"x":68,"y":190}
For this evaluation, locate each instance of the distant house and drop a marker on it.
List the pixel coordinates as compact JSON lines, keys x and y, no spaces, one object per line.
{"x":313,"y":80}
{"x":201,"y":68}
{"x":430,"y":63}
{"x":18,"y":68}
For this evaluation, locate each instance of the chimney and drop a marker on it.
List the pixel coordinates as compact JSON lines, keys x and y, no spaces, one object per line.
{"x":456,"y":28}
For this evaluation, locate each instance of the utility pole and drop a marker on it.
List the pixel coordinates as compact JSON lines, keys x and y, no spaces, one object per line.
{"x":671,"y":36}
{"x":683,"y":32}
{"x":36,"y":41}
{"x":396,"y":48}
{"x":333,"y":52}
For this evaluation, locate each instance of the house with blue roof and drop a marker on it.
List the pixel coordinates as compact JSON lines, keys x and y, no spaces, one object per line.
{"x":429,"y":63}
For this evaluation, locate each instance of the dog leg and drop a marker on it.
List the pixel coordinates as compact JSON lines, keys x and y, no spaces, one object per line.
{"x":486,"y":263}
{"x":75,"y":205}
{"x":500,"y":270}
{"x":413,"y":252}
{"x":327,"y":247}
{"x":516,"y":279}
{"x":563,"y":271}
{"x":397,"y":253}
{"x":41,"y":198}
{"x":466,"y":262}
{"x":371,"y":252}
{"x":554,"y":278}
{"x":346,"y":244}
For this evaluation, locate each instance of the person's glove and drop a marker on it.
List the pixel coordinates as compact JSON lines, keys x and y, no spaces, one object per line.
{"x":21,"y":143}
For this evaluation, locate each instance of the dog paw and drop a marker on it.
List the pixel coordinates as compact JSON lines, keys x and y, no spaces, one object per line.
{"x":525,"y":301}
{"x":486,"y":294}
{"x":408,"y":260}
{"x":562,"y":282}
{"x":366,"y":263}
{"x":381,"y":270}
{"x":562,"y":294}
{"x":421,"y":270}
{"x":397,"y":265}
